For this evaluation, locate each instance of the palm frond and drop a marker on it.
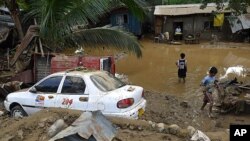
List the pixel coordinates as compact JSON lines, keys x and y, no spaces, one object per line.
{"x":97,"y":37}
{"x":59,"y":16}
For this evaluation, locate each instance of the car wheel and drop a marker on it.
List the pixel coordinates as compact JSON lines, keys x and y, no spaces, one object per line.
{"x":17,"y":112}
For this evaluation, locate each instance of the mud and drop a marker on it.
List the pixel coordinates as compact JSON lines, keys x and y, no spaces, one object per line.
{"x":156,"y":70}
{"x":157,"y":73}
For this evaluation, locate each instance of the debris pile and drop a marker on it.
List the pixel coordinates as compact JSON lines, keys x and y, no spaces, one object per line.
{"x":233,"y":97}
{"x":9,"y":87}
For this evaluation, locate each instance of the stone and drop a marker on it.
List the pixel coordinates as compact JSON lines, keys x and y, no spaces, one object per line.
{"x":191,"y":130}
{"x":160,"y":127}
{"x":56,"y":127}
{"x":1,"y":113}
{"x":20,"y":134}
{"x":150,"y":122}
{"x":41,"y":124}
{"x":140,"y":128}
{"x":153,"y":125}
{"x":183,"y":133}
{"x":184,"y":104}
{"x":131,"y":127}
{"x":174,"y":129}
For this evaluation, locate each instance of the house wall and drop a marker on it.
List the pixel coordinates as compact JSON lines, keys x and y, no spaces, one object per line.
{"x":133,"y":25}
{"x":192,"y":24}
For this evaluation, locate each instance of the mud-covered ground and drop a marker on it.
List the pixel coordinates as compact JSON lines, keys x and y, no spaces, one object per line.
{"x":168,"y":101}
{"x":161,"y":108}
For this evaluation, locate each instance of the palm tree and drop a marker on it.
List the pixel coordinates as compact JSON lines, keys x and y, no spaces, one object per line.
{"x":58,"y":20}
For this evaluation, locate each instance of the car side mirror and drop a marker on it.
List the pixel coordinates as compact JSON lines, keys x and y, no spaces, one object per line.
{"x":33,"y":90}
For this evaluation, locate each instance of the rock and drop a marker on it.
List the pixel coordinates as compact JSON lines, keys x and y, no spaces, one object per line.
{"x":184,"y":104}
{"x":183,"y":133}
{"x":150,"y":122}
{"x":160,"y":127}
{"x":56,"y":127}
{"x":174,"y":129}
{"x":191,"y":130}
{"x":131,"y":127}
{"x":1,"y":113}
{"x":166,"y":130}
{"x":153,"y":125}
{"x":41,"y":124}
{"x":139,"y":128}
{"x":20,"y":134}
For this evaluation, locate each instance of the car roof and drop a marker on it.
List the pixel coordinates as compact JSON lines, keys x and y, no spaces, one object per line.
{"x":78,"y":72}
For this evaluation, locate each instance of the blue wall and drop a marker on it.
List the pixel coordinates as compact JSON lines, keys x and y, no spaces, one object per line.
{"x":133,"y":25}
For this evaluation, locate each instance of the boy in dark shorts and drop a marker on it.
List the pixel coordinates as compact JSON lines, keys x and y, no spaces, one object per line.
{"x":209,"y":83}
{"x":182,"y":67}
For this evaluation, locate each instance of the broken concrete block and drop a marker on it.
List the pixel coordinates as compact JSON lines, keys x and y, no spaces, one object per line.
{"x":160,"y":127}
{"x":174,"y":129}
{"x":191,"y":130}
{"x":56,"y":127}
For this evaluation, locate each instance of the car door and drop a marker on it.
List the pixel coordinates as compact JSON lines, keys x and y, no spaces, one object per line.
{"x":73,"y":94}
{"x":44,"y":95}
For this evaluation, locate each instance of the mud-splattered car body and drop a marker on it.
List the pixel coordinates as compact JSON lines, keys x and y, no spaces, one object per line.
{"x":81,"y":90}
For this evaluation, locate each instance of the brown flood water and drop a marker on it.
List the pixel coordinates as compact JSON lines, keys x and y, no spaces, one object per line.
{"x":157,"y":71}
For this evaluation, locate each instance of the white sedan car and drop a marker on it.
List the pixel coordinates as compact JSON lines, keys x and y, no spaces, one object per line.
{"x":81,"y":90}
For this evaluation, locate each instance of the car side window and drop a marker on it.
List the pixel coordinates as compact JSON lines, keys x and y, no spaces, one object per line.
{"x":73,"y":85}
{"x":49,"y":85}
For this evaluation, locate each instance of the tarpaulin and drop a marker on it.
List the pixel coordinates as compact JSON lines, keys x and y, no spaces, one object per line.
{"x":218,"y":20}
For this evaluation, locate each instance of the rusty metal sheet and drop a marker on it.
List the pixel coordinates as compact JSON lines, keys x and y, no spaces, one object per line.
{"x":88,"y":125}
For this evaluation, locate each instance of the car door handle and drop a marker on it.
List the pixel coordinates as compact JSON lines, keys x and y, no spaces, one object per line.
{"x":50,"y":96}
{"x":83,"y":99}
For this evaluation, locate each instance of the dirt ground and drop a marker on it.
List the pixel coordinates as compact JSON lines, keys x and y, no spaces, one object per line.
{"x":168,"y":102}
{"x":161,"y":108}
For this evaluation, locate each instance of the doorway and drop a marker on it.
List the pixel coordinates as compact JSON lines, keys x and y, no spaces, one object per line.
{"x":175,"y":26}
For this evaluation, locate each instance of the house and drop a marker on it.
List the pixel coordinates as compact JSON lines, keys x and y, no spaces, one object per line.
{"x":123,"y":18}
{"x":191,"y":19}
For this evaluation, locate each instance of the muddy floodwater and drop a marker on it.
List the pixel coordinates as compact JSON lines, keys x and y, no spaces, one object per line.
{"x":157,"y":71}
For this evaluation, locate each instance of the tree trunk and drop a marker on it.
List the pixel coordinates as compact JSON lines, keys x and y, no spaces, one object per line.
{"x":18,"y":25}
{"x":14,"y":12}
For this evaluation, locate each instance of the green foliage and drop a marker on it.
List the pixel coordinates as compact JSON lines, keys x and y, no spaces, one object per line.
{"x":238,"y":6}
{"x":59,"y":21}
{"x":1,"y":2}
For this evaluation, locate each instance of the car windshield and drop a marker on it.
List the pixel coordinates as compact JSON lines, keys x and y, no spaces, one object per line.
{"x":106,"y":82}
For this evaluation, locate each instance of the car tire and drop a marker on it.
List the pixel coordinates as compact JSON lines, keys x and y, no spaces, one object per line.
{"x":17,"y":112}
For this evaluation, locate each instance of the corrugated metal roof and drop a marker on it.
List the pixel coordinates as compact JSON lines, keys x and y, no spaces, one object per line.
{"x":187,"y":9}
{"x":240,"y":22}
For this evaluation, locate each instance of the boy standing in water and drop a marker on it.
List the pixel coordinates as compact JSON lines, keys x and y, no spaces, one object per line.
{"x":209,"y":83}
{"x":182,"y":67}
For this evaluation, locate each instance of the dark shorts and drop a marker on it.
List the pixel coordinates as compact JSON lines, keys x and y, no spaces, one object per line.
{"x":208,"y":98}
{"x":182,"y":73}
